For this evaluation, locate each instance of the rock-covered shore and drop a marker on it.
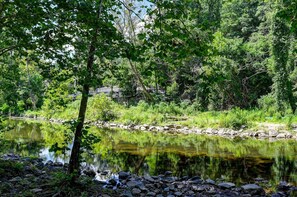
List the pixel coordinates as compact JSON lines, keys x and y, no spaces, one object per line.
{"x":264,"y":131}
{"x":33,"y":177}
{"x":279,"y":133}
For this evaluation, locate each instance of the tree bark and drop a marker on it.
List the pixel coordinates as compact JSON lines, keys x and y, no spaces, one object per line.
{"x":75,"y":153}
{"x":146,"y":94}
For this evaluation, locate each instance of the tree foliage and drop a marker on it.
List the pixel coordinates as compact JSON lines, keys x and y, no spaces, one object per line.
{"x":215,"y":55}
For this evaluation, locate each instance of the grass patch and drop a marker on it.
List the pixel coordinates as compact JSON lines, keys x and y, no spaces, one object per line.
{"x":103,"y":108}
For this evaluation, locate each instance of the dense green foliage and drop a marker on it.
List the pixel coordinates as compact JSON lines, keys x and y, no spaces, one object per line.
{"x":216,"y":55}
{"x":212,"y":55}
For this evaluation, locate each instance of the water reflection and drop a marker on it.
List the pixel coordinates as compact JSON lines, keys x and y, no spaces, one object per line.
{"x":234,"y":160}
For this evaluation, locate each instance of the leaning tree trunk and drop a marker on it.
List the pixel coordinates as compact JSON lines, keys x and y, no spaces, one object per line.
{"x":75,"y":153}
{"x":146,"y":94}
{"x":280,"y":50}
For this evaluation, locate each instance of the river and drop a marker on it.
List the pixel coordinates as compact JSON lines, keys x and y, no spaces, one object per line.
{"x":236,"y":160}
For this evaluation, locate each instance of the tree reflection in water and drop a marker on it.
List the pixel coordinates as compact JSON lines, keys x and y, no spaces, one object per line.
{"x":235,"y":160}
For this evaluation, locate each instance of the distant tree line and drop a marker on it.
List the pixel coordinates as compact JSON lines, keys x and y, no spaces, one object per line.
{"x":214,"y":54}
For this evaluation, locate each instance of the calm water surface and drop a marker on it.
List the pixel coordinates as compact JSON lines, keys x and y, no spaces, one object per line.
{"x":236,"y":160}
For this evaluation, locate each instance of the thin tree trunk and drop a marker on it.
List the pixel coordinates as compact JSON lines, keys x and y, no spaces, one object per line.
{"x":74,"y":158}
{"x":75,"y":153}
{"x":146,"y":94}
{"x":30,"y":85}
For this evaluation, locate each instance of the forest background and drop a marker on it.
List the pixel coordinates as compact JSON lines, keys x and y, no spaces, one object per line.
{"x":205,"y":63}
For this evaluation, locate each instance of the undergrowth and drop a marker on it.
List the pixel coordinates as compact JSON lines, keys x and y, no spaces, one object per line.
{"x":103,"y":108}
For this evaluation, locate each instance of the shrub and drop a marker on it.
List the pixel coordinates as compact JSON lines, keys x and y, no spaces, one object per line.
{"x":101,"y":107}
{"x":235,"y":119}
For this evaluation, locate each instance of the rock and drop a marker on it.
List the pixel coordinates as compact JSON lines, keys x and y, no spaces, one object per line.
{"x":90,"y":173}
{"x":136,"y":191}
{"x":168,"y":173}
{"x":168,"y":179}
{"x":37,"y":190}
{"x":226,"y":185}
{"x":132,"y":184}
{"x":104,"y":173}
{"x":49,"y":163}
{"x":151,"y":194}
{"x":16,"y":179}
{"x":259,"y":179}
{"x":281,"y":135}
{"x":195,"y":180}
{"x":166,"y":189}
{"x":29,"y":175}
{"x":112,"y":182}
{"x":123,"y":175}
{"x":126,"y":193}
{"x":252,"y":189}
{"x":178,"y":194}
{"x":272,"y":133}
{"x":198,"y":188}
{"x":283,"y":186}
{"x":149,"y":178}
{"x":209,"y":181}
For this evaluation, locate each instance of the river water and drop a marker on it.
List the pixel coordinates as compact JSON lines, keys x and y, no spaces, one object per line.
{"x":236,"y":160}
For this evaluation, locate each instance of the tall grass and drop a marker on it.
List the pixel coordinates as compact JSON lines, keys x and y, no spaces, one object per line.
{"x":103,"y":108}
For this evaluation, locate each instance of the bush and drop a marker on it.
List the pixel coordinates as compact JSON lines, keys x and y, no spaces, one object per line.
{"x":101,"y":107}
{"x":234,"y":119}
{"x":267,"y":104}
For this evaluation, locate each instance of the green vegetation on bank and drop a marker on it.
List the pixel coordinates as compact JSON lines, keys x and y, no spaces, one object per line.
{"x":102,"y":108}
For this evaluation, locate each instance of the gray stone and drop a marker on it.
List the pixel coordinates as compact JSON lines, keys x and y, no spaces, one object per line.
{"x":168,"y":173}
{"x":168,"y":179}
{"x":15,"y":179}
{"x":149,"y":178}
{"x":178,"y":194}
{"x":151,"y":194}
{"x":127,"y":193}
{"x":198,"y":188}
{"x":136,"y":191}
{"x":166,"y":189}
{"x":36,"y":190}
{"x":123,"y":175}
{"x":134,"y":184}
{"x":281,"y":135}
{"x":249,"y":187}
{"x":29,"y":175}
{"x":226,"y":185}
{"x":209,"y":181}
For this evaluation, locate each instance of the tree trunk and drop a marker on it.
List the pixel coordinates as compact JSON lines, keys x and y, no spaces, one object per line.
{"x":75,"y":153}
{"x":146,"y":94}
{"x":74,"y":158}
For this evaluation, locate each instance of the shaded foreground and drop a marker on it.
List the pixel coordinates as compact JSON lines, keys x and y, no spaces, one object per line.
{"x":31,"y":177}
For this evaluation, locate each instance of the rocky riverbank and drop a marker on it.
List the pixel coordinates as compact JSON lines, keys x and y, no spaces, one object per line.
{"x":262,"y":131}
{"x":32,"y":177}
